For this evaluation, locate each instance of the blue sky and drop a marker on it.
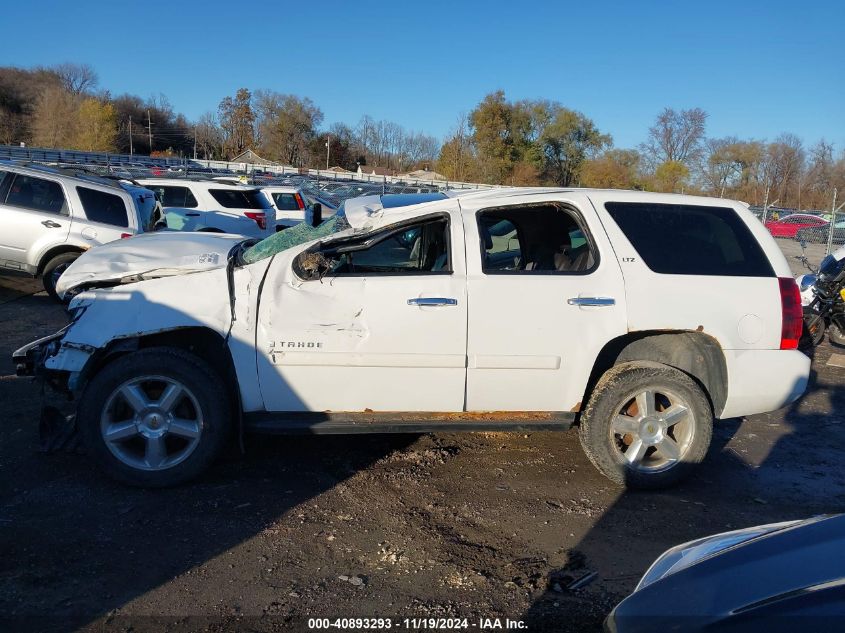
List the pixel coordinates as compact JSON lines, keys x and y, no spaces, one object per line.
{"x":758,"y":68}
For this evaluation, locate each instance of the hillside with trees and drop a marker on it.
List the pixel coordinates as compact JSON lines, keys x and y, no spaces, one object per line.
{"x":527,"y":142}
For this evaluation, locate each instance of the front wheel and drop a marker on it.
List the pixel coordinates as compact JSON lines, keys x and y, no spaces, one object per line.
{"x":646,"y":425}
{"x":53,"y":270}
{"x":157,"y":417}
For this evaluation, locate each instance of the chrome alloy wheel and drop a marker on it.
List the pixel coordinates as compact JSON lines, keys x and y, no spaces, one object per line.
{"x":652,"y":430}
{"x":151,"y":423}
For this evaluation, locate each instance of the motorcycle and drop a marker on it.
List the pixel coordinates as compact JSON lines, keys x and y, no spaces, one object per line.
{"x":823,"y":299}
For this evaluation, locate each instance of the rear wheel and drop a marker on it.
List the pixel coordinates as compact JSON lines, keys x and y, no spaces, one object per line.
{"x":157,"y":417}
{"x":646,"y":425}
{"x":53,"y":269}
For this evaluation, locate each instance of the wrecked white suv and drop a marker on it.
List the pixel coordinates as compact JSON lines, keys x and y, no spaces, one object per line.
{"x":639,"y":317}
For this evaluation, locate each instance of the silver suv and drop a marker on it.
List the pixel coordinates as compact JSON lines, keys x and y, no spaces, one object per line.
{"x":48,"y":217}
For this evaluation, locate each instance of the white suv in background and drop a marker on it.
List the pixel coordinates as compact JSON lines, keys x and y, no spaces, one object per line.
{"x":48,"y":217}
{"x":213,"y":206}
{"x":288,"y":202}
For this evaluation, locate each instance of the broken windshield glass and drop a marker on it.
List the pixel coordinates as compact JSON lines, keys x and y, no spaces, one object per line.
{"x":293,"y":236}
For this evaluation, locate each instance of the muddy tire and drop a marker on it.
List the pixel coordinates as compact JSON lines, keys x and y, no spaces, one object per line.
{"x":646,"y":425}
{"x":52,"y":271}
{"x":155,"y":418}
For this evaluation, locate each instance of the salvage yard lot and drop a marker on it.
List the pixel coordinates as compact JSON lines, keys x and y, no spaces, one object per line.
{"x":461,"y":525}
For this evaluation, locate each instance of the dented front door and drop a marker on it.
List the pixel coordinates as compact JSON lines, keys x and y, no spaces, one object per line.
{"x":392,"y":342}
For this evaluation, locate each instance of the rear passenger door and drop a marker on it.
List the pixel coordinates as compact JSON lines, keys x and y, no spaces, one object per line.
{"x":34,"y":213}
{"x":545,"y":294}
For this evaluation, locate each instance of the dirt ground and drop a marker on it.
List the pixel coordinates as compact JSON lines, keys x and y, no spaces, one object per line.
{"x":449,"y":525}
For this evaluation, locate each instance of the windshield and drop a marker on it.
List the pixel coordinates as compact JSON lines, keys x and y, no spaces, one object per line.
{"x":293,"y":236}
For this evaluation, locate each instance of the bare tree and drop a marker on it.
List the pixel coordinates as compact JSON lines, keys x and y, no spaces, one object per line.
{"x":209,"y":137}
{"x":76,"y":78}
{"x":55,"y":119}
{"x":676,"y":136}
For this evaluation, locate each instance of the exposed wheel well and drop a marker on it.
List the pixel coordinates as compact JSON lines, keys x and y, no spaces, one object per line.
{"x":58,"y":250}
{"x":204,"y":343}
{"x":695,"y":353}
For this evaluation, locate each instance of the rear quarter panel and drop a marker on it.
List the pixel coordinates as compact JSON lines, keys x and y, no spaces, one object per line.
{"x":741,"y":313}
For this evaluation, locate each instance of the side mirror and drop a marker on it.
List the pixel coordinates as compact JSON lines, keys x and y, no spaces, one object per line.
{"x":316,"y":214}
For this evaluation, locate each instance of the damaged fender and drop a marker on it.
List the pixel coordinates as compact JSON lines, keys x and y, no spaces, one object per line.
{"x":160,"y":305}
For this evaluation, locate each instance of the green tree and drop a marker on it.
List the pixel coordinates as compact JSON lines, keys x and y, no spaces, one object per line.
{"x":613,"y":169}
{"x":670,"y":176}
{"x":96,"y":128}
{"x":492,"y":133}
{"x":287,"y":126}
{"x":566,"y":142}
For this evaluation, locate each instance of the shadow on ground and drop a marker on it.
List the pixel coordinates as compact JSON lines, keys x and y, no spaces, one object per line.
{"x":795,"y":476}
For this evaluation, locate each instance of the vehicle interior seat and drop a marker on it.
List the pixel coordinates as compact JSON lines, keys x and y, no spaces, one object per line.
{"x":542,"y":257}
{"x":574,"y":259}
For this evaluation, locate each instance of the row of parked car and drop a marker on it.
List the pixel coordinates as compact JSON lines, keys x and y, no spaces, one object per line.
{"x":49,"y":215}
{"x":807,"y":227}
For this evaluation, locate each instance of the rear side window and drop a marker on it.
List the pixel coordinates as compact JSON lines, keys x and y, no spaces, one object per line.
{"x":238,"y":199}
{"x":176,"y":197}
{"x":285,"y":202}
{"x":103,"y":207}
{"x":691,"y":240}
{"x":37,"y":194}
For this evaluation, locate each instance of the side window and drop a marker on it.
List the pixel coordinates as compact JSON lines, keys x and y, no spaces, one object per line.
{"x":103,"y":207}
{"x":37,"y":194}
{"x":239,"y":198}
{"x":536,"y":239}
{"x":413,"y":249}
{"x":285,"y":202}
{"x":176,"y":197}
{"x":5,"y":180}
{"x":690,"y":239}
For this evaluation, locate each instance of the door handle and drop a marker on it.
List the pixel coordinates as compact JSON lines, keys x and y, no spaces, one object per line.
{"x":591,"y":301}
{"x":432,"y":301}
{"x":51,"y":225}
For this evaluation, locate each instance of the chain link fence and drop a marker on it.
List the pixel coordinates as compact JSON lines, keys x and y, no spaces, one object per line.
{"x":814,"y":233}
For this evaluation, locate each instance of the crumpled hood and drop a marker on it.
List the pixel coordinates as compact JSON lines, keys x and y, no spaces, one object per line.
{"x":147,"y":256}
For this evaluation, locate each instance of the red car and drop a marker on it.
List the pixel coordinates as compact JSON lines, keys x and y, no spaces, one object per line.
{"x":791,"y":224}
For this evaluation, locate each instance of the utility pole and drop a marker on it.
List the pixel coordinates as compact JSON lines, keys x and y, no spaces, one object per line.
{"x":328,"y":149}
{"x":150,"y":130}
{"x":766,"y":205}
{"x":195,"y":142}
{"x":832,"y":224}
{"x":131,"y":151}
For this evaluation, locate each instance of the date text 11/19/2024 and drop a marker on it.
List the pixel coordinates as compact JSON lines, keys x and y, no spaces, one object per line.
{"x":416,"y":624}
